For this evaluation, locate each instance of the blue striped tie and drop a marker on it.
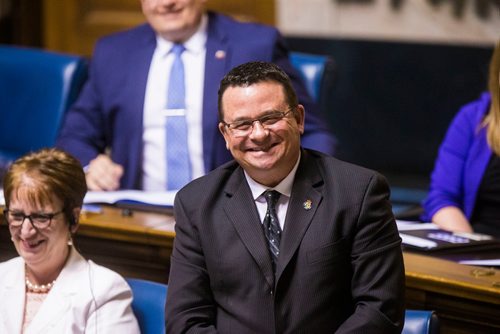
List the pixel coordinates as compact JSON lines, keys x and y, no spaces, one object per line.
{"x":178,"y":165}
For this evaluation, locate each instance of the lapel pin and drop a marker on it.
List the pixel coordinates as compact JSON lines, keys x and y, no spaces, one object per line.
{"x":220,"y":54}
{"x":307,"y":204}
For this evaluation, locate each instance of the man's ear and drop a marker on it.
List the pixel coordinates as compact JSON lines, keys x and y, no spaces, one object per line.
{"x":300,"y":117}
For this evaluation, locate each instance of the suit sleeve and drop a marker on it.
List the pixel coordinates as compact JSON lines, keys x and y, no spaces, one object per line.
{"x":317,"y":134}
{"x":190,"y":305}
{"x":111,"y":311}
{"x":82,"y":132}
{"x":378,"y":282}
{"x":447,"y":179}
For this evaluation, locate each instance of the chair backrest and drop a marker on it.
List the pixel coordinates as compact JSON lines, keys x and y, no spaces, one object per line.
{"x":149,"y":304}
{"x":317,"y":71}
{"x":36,"y":88}
{"x":420,"y":322}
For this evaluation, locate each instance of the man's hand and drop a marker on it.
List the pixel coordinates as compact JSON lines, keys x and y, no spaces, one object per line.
{"x":103,"y":174}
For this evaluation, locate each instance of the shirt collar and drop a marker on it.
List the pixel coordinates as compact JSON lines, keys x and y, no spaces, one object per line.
{"x":284,"y":187}
{"x":195,"y":44}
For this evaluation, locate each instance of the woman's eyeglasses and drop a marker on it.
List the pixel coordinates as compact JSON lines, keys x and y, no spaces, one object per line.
{"x":37,"y":220}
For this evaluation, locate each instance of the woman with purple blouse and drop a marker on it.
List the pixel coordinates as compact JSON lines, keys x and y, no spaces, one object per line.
{"x":464,"y":194}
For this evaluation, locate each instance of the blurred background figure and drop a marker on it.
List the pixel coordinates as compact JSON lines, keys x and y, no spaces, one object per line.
{"x":50,"y":287}
{"x":151,"y":98}
{"x":465,"y":184}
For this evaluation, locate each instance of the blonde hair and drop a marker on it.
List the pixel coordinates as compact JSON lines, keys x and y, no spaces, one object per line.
{"x":492,"y":119}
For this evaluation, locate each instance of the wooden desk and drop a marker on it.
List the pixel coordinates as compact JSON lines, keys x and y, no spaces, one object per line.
{"x":466,"y":298}
{"x":135,"y":246}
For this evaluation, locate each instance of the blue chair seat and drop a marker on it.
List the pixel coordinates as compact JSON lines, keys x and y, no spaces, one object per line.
{"x":149,"y":304}
{"x":420,"y":322}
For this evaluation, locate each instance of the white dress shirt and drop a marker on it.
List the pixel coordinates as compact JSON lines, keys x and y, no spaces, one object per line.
{"x":154,"y":132}
{"x":284,"y":188}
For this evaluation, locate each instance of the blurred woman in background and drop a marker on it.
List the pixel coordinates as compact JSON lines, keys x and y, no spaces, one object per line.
{"x":465,"y":185}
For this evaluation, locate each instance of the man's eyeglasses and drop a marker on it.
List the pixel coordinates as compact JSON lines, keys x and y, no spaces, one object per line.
{"x":37,"y":220}
{"x":245,"y":126}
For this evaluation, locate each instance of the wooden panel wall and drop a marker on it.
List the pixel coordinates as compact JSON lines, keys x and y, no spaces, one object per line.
{"x":74,"y":25}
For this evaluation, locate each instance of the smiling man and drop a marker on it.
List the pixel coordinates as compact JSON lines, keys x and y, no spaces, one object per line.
{"x":119,"y":127}
{"x":282,"y":239}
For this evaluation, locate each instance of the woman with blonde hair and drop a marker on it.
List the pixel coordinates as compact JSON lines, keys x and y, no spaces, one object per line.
{"x":50,"y":287}
{"x":465,"y":185}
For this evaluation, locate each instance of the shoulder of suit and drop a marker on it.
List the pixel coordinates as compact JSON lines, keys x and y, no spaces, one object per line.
{"x":335,"y":165}
{"x":105,"y":273}
{"x":235,"y":27}
{"x":475,"y":111}
{"x":215,"y":179}
{"x":132,"y":35}
{"x":10,"y":271}
{"x":12,"y":263}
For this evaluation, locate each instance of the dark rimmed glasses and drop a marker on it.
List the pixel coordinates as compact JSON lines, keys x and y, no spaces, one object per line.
{"x":38,"y":220}
{"x":244,"y":127}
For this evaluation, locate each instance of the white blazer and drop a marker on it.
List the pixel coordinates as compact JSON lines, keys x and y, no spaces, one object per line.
{"x":86,"y":298}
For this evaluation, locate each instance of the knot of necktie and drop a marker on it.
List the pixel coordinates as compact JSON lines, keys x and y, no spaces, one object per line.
{"x":177,"y":49}
{"x":272,"y":197}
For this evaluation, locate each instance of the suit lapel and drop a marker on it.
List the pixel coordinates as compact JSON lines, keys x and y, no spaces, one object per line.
{"x":305,"y":200}
{"x":59,"y":299}
{"x":12,"y":296}
{"x":140,"y":57}
{"x":242,"y":212}
{"x":216,"y":66}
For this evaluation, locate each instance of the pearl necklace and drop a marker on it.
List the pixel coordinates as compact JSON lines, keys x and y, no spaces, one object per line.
{"x":44,"y":288}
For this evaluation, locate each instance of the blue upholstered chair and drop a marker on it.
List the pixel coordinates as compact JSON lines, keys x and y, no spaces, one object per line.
{"x":420,"y":322}
{"x":36,"y":88}
{"x":149,"y":305}
{"x":317,"y":71}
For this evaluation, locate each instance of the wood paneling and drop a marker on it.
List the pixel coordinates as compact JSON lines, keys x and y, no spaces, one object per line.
{"x":74,"y":25}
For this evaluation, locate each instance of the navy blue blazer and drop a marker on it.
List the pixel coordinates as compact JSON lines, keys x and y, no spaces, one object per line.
{"x":109,"y":111}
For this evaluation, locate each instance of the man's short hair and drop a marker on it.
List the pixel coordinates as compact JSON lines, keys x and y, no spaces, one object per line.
{"x":254,"y":72}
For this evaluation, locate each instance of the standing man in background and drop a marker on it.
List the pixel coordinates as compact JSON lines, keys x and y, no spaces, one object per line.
{"x":283,"y":239}
{"x":147,"y":117}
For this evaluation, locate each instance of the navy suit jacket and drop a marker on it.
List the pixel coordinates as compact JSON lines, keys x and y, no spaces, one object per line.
{"x":340,"y":267}
{"x":109,"y":111}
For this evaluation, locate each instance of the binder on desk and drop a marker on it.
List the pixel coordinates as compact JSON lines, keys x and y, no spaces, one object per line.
{"x":159,"y":201}
{"x":428,"y":238}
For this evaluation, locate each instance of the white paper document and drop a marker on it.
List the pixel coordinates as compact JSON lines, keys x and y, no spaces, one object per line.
{"x":417,"y":242}
{"x":414,"y":226}
{"x":165,"y":198}
{"x":490,"y":262}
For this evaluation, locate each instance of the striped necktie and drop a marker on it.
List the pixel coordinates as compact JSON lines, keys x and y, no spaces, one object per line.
{"x":272,"y":229}
{"x":178,"y":164}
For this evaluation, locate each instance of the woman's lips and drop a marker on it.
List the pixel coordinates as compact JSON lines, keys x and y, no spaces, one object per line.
{"x":32,"y":244}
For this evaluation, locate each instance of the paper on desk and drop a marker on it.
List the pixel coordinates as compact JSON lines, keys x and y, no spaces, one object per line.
{"x":490,"y":262}
{"x":417,"y":242}
{"x":413,"y":226}
{"x":165,"y":198}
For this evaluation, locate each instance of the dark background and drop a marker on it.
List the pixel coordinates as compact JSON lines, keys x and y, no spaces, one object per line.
{"x":391,"y":102}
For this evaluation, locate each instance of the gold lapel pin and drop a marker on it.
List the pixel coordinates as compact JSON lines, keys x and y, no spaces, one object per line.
{"x":308,"y":204}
